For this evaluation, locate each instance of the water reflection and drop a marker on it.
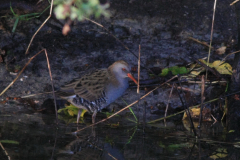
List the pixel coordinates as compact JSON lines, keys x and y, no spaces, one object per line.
{"x":39,"y":141}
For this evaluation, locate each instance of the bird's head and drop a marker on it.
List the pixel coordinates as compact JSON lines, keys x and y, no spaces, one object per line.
{"x":121,"y":69}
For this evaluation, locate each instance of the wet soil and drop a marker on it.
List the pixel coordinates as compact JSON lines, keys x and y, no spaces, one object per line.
{"x":161,"y":27}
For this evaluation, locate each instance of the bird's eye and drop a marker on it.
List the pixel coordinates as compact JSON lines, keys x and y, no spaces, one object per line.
{"x":124,"y":69}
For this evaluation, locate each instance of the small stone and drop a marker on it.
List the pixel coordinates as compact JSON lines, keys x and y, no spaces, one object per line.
{"x":12,"y":73}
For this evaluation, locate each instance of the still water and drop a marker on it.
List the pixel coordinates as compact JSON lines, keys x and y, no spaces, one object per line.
{"x":36,"y":137}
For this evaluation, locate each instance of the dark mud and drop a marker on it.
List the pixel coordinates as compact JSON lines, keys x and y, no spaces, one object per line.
{"x":161,"y":27}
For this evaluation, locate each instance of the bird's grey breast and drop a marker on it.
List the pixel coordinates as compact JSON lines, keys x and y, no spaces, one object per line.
{"x":113,"y":92}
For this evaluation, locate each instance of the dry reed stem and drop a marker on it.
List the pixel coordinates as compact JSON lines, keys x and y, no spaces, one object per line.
{"x":139,"y":63}
{"x":209,"y":51}
{"x":6,"y":153}
{"x":50,"y":74}
{"x":215,"y":120}
{"x":111,"y":35}
{"x":200,"y":42}
{"x":224,"y":59}
{"x":128,"y":105}
{"x":32,"y":95}
{"x":20,"y":72}
{"x":50,"y":14}
{"x":191,"y":108}
{"x":184,"y":88}
{"x":234,"y":2}
{"x":170,"y":95}
{"x":213,"y":82}
{"x":202,"y":100}
{"x":182,"y":111}
{"x":118,"y":41}
{"x":54,"y":146}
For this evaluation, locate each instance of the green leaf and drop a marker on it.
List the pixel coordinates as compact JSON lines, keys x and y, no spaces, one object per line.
{"x":164,"y":72}
{"x":9,"y":141}
{"x":59,"y":12}
{"x":72,"y":110}
{"x":178,"y":70}
{"x":93,"y":3}
{"x":83,"y":112}
{"x":74,"y":13}
{"x":174,"y":70}
{"x":12,"y":10}
{"x":15,"y":25}
{"x":183,"y":70}
{"x":219,"y":153}
{"x":81,"y":9}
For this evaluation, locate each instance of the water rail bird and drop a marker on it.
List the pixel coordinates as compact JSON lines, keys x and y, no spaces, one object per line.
{"x":96,"y":90}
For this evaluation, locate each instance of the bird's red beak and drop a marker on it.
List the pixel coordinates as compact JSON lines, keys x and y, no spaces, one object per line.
{"x":132,"y":78}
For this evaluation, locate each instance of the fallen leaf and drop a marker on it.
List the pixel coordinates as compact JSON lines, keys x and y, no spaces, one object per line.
{"x":219,"y":153}
{"x":195,"y":113}
{"x":221,"y":50}
{"x":222,"y":68}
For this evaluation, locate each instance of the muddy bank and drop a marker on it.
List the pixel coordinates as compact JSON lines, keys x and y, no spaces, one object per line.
{"x":160,"y":27}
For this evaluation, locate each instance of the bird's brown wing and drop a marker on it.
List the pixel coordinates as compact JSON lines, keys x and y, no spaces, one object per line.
{"x":91,"y":86}
{"x":68,"y":89}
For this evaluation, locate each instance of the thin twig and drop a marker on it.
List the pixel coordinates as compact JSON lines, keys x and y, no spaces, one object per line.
{"x":200,"y":42}
{"x":170,"y":95}
{"x":184,"y":88}
{"x":202,"y":100}
{"x":234,"y":2}
{"x":49,"y":68}
{"x":209,"y":51}
{"x":224,"y":59}
{"x":127,"y":106}
{"x":156,"y":120}
{"x":55,"y":142}
{"x":32,"y":95}
{"x":20,"y":72}
{"x":139,"y":63}
{"x":50,"y":14}
{"x":119,"y":42}
{"x":185,"y":105}
{"x":6,"y":153}
{"x":191,"y":151}
{"x":50,"y":74}
{"x":111,"y":35}
{"x":214,"y":71}
{"x":215,"y":120}
{"x":213,"y":82}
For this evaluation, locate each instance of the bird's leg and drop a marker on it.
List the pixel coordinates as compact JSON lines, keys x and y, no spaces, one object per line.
{"x":94,"y":116}
{"x":79,"y":114}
